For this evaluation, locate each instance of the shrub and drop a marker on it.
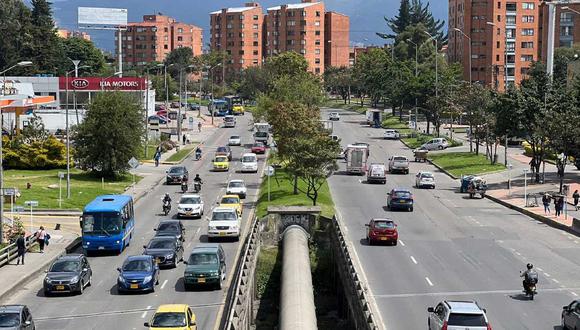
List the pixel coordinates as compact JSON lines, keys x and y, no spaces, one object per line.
{"x":36,"y":155}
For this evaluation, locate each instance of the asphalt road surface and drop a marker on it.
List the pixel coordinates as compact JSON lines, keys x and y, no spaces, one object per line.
{"x":101,"y":307}
{"x":451,"y":247}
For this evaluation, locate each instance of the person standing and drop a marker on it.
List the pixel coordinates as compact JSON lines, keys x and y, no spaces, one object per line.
{"x":21,"y":246}
{"x":576,"y":197}
{"x":41,"y":238}
{"x":157,"y":157}
{"x":199,"y":126}
{"x":546,"y":202}
{"x":558,"y":203}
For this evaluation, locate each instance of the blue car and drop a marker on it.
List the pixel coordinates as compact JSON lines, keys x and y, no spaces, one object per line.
{"x":400,"y":199}
{"x":139,"y":274}
{"x":162,"y":120}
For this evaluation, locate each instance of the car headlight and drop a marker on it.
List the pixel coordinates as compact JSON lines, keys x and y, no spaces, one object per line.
{"x":169,"y":256}
{"x":74,"y":279}
{"x":179,"y":208}
{"x":147,"y":279}
{"x":234,"y":227}
{"x":212,"y":228}
{"x":214,"y":274}
{"x":47,"y":280}
{"x":121,"y":279}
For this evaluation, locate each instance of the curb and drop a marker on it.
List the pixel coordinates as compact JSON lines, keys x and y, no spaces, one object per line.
{"x":16,"y":285}
{"x":145,"y":192}
{"x":442,"y":169}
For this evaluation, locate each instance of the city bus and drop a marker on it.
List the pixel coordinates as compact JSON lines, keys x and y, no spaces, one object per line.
{"x":220,"y":108}
{"x":107,"y":223}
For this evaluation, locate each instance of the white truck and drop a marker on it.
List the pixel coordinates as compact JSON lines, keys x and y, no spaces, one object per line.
{"x":374,"y":117}
{"x":356,"y":159}
{"x":262,"y":133}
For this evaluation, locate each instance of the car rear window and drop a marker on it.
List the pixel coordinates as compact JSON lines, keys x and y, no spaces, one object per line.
{"x":404,"y":159}
{"x":248,"y":159}
{"x":426,"y":175}
{"x":466,"y":320}
{"x":402,"y":194}
{"x":222,"y":149}
{"x":384,"y":224}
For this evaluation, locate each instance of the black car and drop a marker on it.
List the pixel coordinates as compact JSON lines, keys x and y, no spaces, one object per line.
{"x":16,"y":317}
{"x":226,"y":151}
{"x":177,"y":174}
{"x":167,"y":250}
{"x":69,"y":273}
{"x":170,"y":228}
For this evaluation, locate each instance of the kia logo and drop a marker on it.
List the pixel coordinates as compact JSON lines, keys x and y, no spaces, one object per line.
{"x":80,"y":83}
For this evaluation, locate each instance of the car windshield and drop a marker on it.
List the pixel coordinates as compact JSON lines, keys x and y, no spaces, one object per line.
{"x":203,"y":259}
{"x":400,"y":159}
{"x":168,"y":320}
{"x":176,"y":170}
{"x":384,"y":224}
{"x":137,"y":266}
{"x":402,"y":194}
{"x":230,"y":200}
{"x":174,"y":227}
{"x":190,"y":200}
{"x":221,"y":159}
{"x":248,"y":159}
{"x":161,"y":244}
{"x":258,"y":144}
{"x":65,"y":266}
{"x":8,"y":320}
{"x":102,"y":223}
{"x":220,"y":216}
{"x":261,"y":134}
{"x":466,"y":320}
{"x":236,"y":184}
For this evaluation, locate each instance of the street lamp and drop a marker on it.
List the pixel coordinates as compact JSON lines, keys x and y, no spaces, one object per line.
{"x":19,"y":64}
{"x":165,"y":66}
{"x":212,"y":98}
{"x":416,"y":75}
{"x":469,"y":39}
{"x":436,"y":63}
{"x":180,"y":99}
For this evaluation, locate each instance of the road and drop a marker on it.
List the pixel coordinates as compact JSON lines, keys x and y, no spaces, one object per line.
{"x":100,"y":307}
{"x":451,"y":247}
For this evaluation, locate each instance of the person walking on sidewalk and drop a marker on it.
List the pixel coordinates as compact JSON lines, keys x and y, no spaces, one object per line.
{"x":576,"y":197}
{"x":157,"y":157}
{"x":558,"y":203}
{"x":532,"y":165}
{"x":21,"y":246}
{"x":41,"y":238}
{"x":546,"y":202}
{"x":199,"y":126}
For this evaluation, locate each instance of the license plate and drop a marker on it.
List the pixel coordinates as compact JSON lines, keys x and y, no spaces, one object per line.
{"x":383,"y":238}
{"x":134,"y":286}
{"x":60,"y":287}
{"x":101,"y":247}
{"x":188,"y":213}
{"x":222,"y":234}
{"x":403,"y":201}
{"x":201,"y":280}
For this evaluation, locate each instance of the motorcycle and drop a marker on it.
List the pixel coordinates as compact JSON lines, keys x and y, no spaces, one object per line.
{"x":184,"y":186}
{"x":197,"y":155}
{"x":530,"y":289}
{"x":197,"y":186}
{"x":166,"y":207}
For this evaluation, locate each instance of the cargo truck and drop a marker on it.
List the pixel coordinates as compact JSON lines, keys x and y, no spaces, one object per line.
{"x":356,"y":159}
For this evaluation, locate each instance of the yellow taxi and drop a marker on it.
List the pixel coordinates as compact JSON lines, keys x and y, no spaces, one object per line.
{"x":232,"y":201}
{"x":238,"y":110}
{"x":221,"y":163}
{"x":174,"y":317}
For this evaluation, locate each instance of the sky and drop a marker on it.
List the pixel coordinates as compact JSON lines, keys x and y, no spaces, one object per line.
{"x":366,"y":16}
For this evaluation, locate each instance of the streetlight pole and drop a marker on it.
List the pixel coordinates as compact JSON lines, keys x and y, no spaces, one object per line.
{"x":436,"y":65}
{"x":19,"y":64}
{"x":468,"y":39}
{"x":416,"y":75}
{"x":212,"y":98}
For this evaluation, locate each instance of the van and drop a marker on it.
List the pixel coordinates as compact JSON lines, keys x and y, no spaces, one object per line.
{"x":377,"y":173}
{"x":249,"y":163}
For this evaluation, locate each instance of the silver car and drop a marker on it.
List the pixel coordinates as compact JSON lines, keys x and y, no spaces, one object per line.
{"x":435,"y":144}
{"x":457,"y":315}
{"x":399,"y":164}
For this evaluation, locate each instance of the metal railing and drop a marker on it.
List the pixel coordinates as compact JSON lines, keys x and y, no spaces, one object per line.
{"x":10,"y":252}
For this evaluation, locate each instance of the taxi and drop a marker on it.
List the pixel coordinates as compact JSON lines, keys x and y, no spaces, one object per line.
{"x":221,"y":163}
{"x":238,"y":110}
{"x":174,"y":317}
{"x":232,"y":201}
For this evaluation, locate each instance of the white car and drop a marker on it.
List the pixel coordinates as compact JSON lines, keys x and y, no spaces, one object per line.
{"x":224,"y":223}
{"x":457,"y":315}
{"x":235,"y":140}
{"x":334,"y":116}
{"x":392,"y":134}
{"x":425,"y":179}
{"x":249,"y":163}
{"x":190,"y":205}
{"x":237,"y":187}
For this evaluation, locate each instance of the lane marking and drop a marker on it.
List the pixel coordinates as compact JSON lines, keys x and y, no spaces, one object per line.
{"x":163,"y":285}
{"x":540,"y":269}
{"x":464,"y":293}
{"x":403,"y":244}
{"x":574,"y":293}
{"x":555,"y":280}
{"x":547,"y":275}
{"x":518,"y":253}
{"x":429,"y":281}
{"x":413,"y":259}
{"x":145,"y":312}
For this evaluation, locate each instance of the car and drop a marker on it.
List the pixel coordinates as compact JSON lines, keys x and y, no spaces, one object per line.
{"x":160,"y":119}
{"x":224,"y":222}
{"x":190,"y":205}
{"x":224,"y":151}
{"x":177,"y":174}
{"x":457,"y":315}
{"x":173,"y":316}
{"x":162,"y":112}
{"x":235,"y":140}
{"x":138,"y":274}
{"x":249,"y":163}
{"x":69,"y":273}
{"x":382,"y":230}
{"x":206,"y":265}
{"x":16,"y":317}
{"x":377,"y":172}
{"x":392,"y":134}
{"x":399,"y":164}
{"x":232,"y":201}
{"x":167,"y":250}
{"x":571,"y":315}
{"x":170,"y":228}
{"x":425,"y":179}
{"x":194,"y":106}
{"x":400,"y":198}
{"x":435,"y":144}
{"x":175,"y":104}
{"x":334,"y":116}
{"x":160,"y":107}
{"x":221,"y":163}
{"x":237,"y":187}
{"x":258,"y":148}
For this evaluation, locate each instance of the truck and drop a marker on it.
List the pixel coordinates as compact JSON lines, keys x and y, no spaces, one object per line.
{"x":356,"y":159}
{"x":374,"y":118}
{"x":229,"y":121}
{"x":262,"y":133}
{"x":235,"y":105}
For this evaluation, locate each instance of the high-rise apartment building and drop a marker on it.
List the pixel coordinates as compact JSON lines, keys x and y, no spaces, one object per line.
{"x":155,"y":37}
{"x":501,"y":39}
{"x":566,"y":26}
{"x":337,"y":48}
{"x":66,"y":34}
{"x":238,"y":32}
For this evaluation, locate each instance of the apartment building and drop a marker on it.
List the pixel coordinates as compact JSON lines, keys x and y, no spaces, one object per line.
{"x":501,"y":39}
{"x":238,"y":32}
{"x":336,"y":36}
{"x":66,"y":34}
{"x":155,"y":37}
{"x":567,"y":26}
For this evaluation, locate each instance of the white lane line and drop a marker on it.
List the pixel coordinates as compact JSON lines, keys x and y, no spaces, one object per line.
{"x":547,"y":275}
{"x":145,"y":312}
{"x":540,"y":269}
{"x":163,"y":285}
{"x":428,"y":281}
{"x":403,"y":244}
{"x":413,"y":259}
{"x":574,"y":293}
{"x":555,"y":280}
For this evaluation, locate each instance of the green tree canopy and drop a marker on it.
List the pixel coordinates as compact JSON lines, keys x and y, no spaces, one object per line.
{"x":47,"y":49}
{"x":86,"y":52}
{"x":16,"y":40}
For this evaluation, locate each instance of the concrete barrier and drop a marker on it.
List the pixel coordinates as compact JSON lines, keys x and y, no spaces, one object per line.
{"x":576,"y":225}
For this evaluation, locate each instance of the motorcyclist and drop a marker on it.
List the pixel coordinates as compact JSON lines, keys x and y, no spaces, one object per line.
{"x":530,"y":277}
{"x":198,"y":152}
{"x":197,"y":179}
{"x":166,"y":199}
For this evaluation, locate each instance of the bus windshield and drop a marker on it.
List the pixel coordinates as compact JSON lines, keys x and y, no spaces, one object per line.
{"x":103,"y":223}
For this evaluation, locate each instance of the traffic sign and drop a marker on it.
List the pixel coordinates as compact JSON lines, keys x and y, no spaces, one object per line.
{"x":270,"y":171}
{"x":61,"y":175}
{"x":133,"y":162}
{"x":31,"y":203}
{"x":9,"y":191}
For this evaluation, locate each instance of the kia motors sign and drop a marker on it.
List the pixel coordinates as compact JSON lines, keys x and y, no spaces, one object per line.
{"x":107,"y":84}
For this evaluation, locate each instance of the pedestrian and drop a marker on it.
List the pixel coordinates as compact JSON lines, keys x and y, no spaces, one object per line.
{"x":532,"y":165}
{"x":558,"y":205}
{"x":21,"y":245}
{"x":184,"y":139}
{"x":546,"y":202}
{"x":199,"y":126}
{"x":157,"y":157}
{"x":576,"y":197}
{"x":41,"y":238}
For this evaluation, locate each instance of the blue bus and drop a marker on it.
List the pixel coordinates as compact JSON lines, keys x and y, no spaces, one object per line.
{"x":107,"y":223}
{"x":220,"y":108}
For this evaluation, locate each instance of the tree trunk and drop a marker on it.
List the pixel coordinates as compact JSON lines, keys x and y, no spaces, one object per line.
{"x":428,"y":126}
{"x":295,"y":192}
{"x":471,"y":138}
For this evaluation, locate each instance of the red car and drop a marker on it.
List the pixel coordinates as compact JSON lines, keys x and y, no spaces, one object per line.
{"x":382,"y":230}
{"x":258,"y":148}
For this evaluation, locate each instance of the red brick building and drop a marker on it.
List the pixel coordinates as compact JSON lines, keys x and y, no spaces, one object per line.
{"x":66,"y":34}
{"x":155,"y":37}
{"x":567,"y":27}
{"x":336,"y":49}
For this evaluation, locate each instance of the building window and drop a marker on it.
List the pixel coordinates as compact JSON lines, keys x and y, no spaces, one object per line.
{"x":317,"y":23}
{"x":255,"y":52}
{"x":256,"y":17}
{"x":241,"y":17}
{"x":317,"y":42}
{"x":317,"y":61}
{"x":528,"y":5}
{"x":290,"y":23}
{"x":566,"y":31}
{"x":256,"y":35}
{"x":511,"y":33}
{"x":510,"y":6}
{"x":525,"y":71}
{"x":497,"y":58}
{"x":566,"y":18}
{"x":316,"y":33}
{"x":529,"y":19}
{"x":241,"y":52}
{"x":527,"y":32}
{"x":165,"y":47}
{"x":527,"y":44}
{"x":317,"y":70}
{"x":527,"y":58}
{"x":289,"y":42}
{"x":511,"y":46}
{"x":317,"y":51}
{"x":180,"y":38}
{"x":242,"y":43}
{"x":256,"y":44}
{"x":153,"y":29}
{"x":497,"y":44}
{"x":317,"y":14}
{"x":255,"y":26}
{"x":230,"y":17}
{"x":511,"y":20}
{"x":255,"y":62}
{"x":242,"y":61}
{"x":180,"y":30}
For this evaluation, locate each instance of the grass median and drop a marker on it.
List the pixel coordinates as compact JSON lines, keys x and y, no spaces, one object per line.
{"x":462,"y":163}
{"x":181,"y":154}
{"x":44,"y":187}
{"x":339,"y":104}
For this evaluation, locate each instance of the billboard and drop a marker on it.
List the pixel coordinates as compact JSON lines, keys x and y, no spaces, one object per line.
{"x":97,"y":84}
{"x":102,"y":16}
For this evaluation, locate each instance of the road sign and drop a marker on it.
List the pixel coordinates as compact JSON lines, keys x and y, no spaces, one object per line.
{"x":133,"y":162}
{"x":31,"y":203}
{"x":18,"y":209}
{"x":10,"y":192}
{"x":61,"y":175}
{"x":270,"y":171}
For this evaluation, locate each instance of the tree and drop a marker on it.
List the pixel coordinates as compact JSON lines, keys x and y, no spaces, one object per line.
{"x":106,"y":149}
{"x":84,"y":51}
{"x":338,"y":80}
{"x":47,"y":50}
{"x":475,"y":100}
{"x":177,"y":59}
{"x":16,"y":40}
{"x":253,"y":81}
{"x":34,"y":131}
{"x":286,"y":64}
{"x":372,"y":70}
{"x":158,"y":82}
{"x":400,"y":22}
{"x":563,"y":56}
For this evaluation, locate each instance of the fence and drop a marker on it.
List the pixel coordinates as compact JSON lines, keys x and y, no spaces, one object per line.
{"x":10,"y":252}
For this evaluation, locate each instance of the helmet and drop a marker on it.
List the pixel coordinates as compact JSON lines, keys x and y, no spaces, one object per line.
{"x":530,"y":266}
{"x":197,"y":175}
{"x":166,"y":194}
